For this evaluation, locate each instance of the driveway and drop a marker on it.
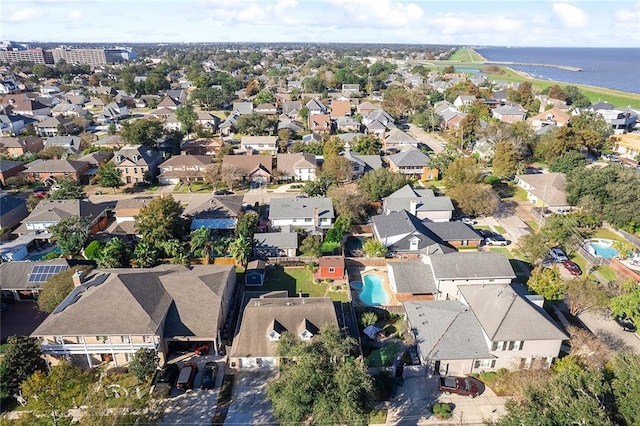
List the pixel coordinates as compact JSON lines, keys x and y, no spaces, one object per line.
{"x":195,"y":406}
{"x":249,"y":404}
{"x":609,"y":332}
{"x":411,"y":406}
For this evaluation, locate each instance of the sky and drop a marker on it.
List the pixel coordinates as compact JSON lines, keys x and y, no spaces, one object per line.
{"x":569,"y":23}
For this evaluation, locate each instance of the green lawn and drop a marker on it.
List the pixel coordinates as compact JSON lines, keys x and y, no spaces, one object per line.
{"x":500,"y":229}
{"x":466,"y":54}
{"x":296,"y":280}
{"x":606,"y":234}
{"x":195,"y":188}
{"x":378,"y":416}
{"x":607,"y":273}
{"x":519,"y":193}
{"x":383,"y":356}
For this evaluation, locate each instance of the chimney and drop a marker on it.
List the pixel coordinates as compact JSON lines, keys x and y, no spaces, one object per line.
{"x":78,"y":278}
{"x":316,"y":217}
{"x":413,"y":206}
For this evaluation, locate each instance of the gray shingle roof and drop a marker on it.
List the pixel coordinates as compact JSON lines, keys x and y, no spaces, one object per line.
{"x":15,"y":275}
{"x":506,"y":316}
{"x":217,"y":207}
{"x":412,"y":277}
{"x":396,"y":230}
{"x":409,"y":158}
{"x":446,"y":330}
{"x":453,"y":231}
{"x":425,"y":198}
{"x":281,"y":240}
{"x":300,"y":207}
{"x":471,"y":265}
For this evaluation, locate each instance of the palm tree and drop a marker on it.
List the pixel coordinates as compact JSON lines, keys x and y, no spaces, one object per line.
{"x":145,"y":255}
{"x":176,"y":250}
{"x":240,"y":249}
{"x":201,"y":241}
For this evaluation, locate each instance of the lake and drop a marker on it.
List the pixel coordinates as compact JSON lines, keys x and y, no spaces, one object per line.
{"x":613,"y":68}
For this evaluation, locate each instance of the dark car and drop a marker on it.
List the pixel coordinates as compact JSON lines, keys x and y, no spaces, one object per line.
{"x":572,"y":267}
{"x":209,"y":375}
{"x":167,"y":374}
{"x":223,"y":192}
{"x":466,"y":386}
{"x":626,"y":324}
{"x":187,"y":374}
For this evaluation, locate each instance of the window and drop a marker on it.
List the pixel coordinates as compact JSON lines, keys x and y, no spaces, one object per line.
{"x":484,"y":363}
{"x":125,"y":339}
{"x":135,"y":170}
{"x":147,"y":339}
{"x":332,"y":270}
{"x":308,"y":220}
{"x":59,"y":340}
{"x":101,"y":338}
{"x":516,"y":345}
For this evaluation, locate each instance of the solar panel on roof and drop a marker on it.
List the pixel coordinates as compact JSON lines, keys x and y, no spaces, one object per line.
{"x":41,"y":273}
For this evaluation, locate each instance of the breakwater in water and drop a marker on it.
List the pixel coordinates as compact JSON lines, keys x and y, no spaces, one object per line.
{"x":528,"y":64}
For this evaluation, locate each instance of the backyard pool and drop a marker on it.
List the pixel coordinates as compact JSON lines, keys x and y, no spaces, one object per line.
{"x":601,"y":247}
{"x":373,"y":292}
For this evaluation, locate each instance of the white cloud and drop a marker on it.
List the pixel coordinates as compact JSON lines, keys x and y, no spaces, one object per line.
{"x":381,"y":14}
{"x":627,"y":15}
{"x":570,"y":16}
{"x":21,"y":14}
{"x":449,"y":23}
{"x":75,"y":15}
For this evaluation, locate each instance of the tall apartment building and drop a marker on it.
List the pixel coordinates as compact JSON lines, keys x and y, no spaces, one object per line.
{"x":11,"y":52}
{"x":36,"y":55}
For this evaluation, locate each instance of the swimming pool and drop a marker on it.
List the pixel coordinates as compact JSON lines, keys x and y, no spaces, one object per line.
{"x":373,"y":292}
{"x":601,"y":247}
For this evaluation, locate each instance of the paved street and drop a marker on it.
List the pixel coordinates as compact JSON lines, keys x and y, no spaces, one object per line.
{"x":249,"y":404}
{"x":426,"y":138}
{"x":609,"y":332}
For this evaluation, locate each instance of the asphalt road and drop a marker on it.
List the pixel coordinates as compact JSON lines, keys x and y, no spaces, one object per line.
{"x":425,"y":138}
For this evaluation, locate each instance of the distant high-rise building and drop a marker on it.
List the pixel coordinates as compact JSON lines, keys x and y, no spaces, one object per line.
{"x":11,"y":52}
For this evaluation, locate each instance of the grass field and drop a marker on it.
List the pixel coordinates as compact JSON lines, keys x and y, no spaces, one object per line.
{"x":465,"y":54}
{"x":384,"y":356}
{"x":606,"y":234}
{"x":296,"y":280}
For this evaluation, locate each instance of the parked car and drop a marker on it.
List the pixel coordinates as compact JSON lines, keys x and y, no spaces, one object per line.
{"x":496,"y":240}
{"x":557,"y":255}
{"x":626,"y":324}
{"x":572,"y":267}
{"x":209,"y":375}
{"x":167,"y":374}
{"x":223,"y":192}
{"x":468,"y":221}
{"x":467,"y":386}
{"x":187,"y":374}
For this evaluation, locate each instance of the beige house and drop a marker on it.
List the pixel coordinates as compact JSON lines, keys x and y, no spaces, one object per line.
{"x":112,"y":313}
{"x":545,"y":190}
{"x":137,"y":163}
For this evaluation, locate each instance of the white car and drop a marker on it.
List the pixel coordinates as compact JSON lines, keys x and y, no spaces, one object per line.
{"x":557,"y":255}
{"x":496,"y":240}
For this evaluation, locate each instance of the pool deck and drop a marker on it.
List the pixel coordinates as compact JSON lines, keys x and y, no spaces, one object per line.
{"x":381,"y":271}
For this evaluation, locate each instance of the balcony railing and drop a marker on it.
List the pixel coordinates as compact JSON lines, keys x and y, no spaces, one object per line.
{"x":94,"y":348}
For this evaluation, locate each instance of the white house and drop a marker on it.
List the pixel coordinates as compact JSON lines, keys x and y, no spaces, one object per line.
{"x":301,"y":212}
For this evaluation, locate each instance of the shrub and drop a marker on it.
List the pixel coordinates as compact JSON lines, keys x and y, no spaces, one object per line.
{"x":368,"y":318}
{"x":92,"y":251}
{"x":441,"y":410}
{"x":313,"y":267}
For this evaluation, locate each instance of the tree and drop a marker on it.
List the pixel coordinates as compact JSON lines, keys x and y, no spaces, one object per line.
{"x":144,"y":363}
{"x":561,"y":229}
{"x":505,"y":159}
{"x":368,"y":318}
{"x":264,"y":97}
{"x":247,"y":224}
{"x":70,"y":234}
{"x":547,"y":283}
{"x":312,"y":246}
{"x":68,"y":189}
{"x":22,"y":358}
{"x":568,"y":161}
{"x":587,"y":350}
{"x":374,"y":248}
{"x":109,"y":176}
{"x":341,"y":226}
{"x":463,"y":170}
{"x":396,"y":101}
{"x":111,"y":128}
{"x":56,"y":288}
{"x":255,"y":124}
{"x":427,"y":119}
{"x":231,"y":175}
{"x":316,"y":383}
{"x":628,"y":302}
{"x":240,"y":249}
{"x":142,"y":132}
{"x":318,"y":187}
{"x":367,"y":145}
{"x":379,"y":183}
{"x":584,"y":294}
{"x":348,"y":202}
{"x":339,"y":168}
{"x":556,"y":143}
{"x":177,"y":252}
{"x":283,"y":139}
{"x":200,"y":243}
{"x":115,"y":254}
{"x":475,"y":199}
{"x":314,"y":85}
{"x":332,"y":147}
{"x":187,"y":117}
{"x":160,"y":220}
{"x":145,"y":255}
{"x":626,"y":386}
{"x":92,"y":251}
{"x":534,"y":247}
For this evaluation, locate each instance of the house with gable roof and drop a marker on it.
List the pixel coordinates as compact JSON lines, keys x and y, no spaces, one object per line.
{"x":17,"y":146}
{"x":301,"y":212}
{"x":509,"y":113}
{"x":397,"y":139}
{"x":300,"y":166}
{"x":421,"y":202}
{"x":545,"y":189}
{"x":260,"y":144}
{"x":254,"y":168}
{"x":137,"y":163}
{"x":551,"y":116}
{"x":184,"y":168}
{"x":411,"y":162}
{"x":50,"y":171}
{"x":220,"y":212}
{"x":267,"y":318}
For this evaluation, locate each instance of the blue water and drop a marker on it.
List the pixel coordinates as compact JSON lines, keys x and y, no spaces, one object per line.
{"x":373,"y":293}
{"x":357,"y":285}
{"x":603,"y":250}
{"x":613,"y":68}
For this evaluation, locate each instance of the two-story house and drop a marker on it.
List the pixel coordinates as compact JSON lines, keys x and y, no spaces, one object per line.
{"x":184,"y":169}
{"x":137,"y":163}
{"x":301,"y":212}
{"x":300,"y":166}
{"x":410,"y":162}
{"x":260,"y":144}
{"x":420,"y":202}
{"x":50,"y":171}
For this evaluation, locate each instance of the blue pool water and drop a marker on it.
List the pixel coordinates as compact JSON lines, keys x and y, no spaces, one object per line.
{"x":604,"y":250}
{"x":357,"y":285}
{"x":373,"y":293}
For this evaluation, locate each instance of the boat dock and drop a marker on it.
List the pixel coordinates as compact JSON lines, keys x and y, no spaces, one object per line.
{"x":527,"y":64}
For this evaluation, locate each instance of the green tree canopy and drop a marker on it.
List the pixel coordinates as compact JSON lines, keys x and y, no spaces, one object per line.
{"x":68,"y":189}
{"x":348,"y":202}
{"x":144,"y":363}
{"x":109,"y":176}
{"x":628,"y":302}
{"x":22,"y":358}
{"x":312,"y":246}
{"x":70,"y":234}
{"x":56,"y":288}
{"x":142,"y":132}
{"x":187,"y":118}
{"x":568,"y":161}
{"x":240,"y":249}
{"x":475,"y":199}
{"x":160,"y":220}
{"x":379,"y":183}
{"x":264,"y":97}
{"x":505,"y":159}
{"x":462,"y":170}
{"x":255,"y":124}
{"x":374,"y":248}
{"x":547,"y":283}
{"x":534,"y":247}
{"x":115,"y":254}
{"x":367,"y":145}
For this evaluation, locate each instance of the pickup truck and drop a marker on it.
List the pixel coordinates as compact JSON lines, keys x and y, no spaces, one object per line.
{"x":461,"y":385}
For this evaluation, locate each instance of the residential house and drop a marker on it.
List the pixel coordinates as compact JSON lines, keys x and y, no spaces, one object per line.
{"x":50,"y":171}
{"x":451,"y":118}
{"x":621,"y":121}
{"x":361,"y":163}
{"x":292,"y":109}
{"x":300,"y":166}
{"x":554,"y":116}
{"x":32,"y":108}
{"x":226,"y":127}
{"x":266,"y":109}
{"x":49,"y":212}
{"x":396,"y":139}
{"x":366,"y":107}
{"x":178,"y":95}
{"x":184,"y":169}
{"x":22,"y":281}
{"x":97,"y":159}
{"x":275,"y":244}
{"x":347,"y":124}
{"x":301,"y":212}
{"x":68,"y":110}
{"x":410,"y":162}
{"x":455,"y":234}
{"x":12,"y":210}
{"x":545,"y":190}
{"x":71,"y":144}
{"x":489,"y":328}
{"x":509,"y":113}
{"x":378,"y":122}
{"x":411,"y":281}
{"x":484,"y":148}
{"x":267,"y":318}
{"x":208,"y":121}
{"x":169,"y":103}
{"x":293,"y":126}
{"x":340,"y":108}
{"x":627,"y":145}
{"x":320,"y":123}
{"x":421,"y":202}
{"x":311,"y":138}
{"x":137,"y":163}
{"x":125,"y":213}
{"x":164,"y":114}
{"x":254,"y":168}
{"x":242,"y":108}
{"x":202,"y":146}
{"x":403,"y":234}
{"x":260,"y":144}
{"x":111,"y":113}
{"x":12,"y":124}
{"x":110,"y":141}
{"x":350,"y":89}
{"x":220,"y":212}
{"x":316,"y":107}
{"x":330,"y":268}
{"x":464,"y":101}
{"x":18,"y":146}
{"x":9,"y":169}
{"x":55,"y":126}
{"x":112,"y":313}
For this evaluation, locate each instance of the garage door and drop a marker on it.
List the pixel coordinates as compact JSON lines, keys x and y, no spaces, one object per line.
{"x":267,"y":362}
{"x":248,"y":362}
